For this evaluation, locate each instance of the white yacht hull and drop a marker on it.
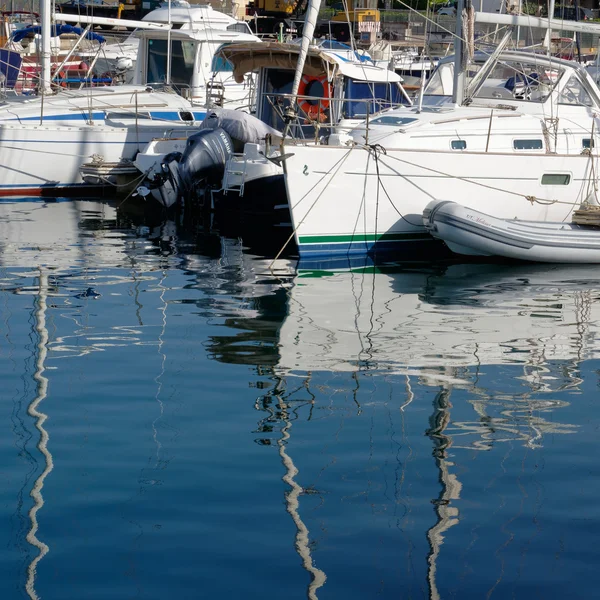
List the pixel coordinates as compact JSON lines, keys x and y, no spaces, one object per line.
{"x":352,"y":200}
{"x":38,"y":160}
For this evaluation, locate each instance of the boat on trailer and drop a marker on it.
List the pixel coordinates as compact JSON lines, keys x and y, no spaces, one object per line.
{"x":470,"y":232}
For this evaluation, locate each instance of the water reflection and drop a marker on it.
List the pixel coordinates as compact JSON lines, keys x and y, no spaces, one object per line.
{"x":459,"y":316}
{"x":442,"y":328}
{"x":447,"y":513}
{"x":399,"y":360}
{"x":40,"y":418}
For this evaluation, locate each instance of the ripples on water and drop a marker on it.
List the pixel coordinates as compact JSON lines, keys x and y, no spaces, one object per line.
{"x":182,"y":422}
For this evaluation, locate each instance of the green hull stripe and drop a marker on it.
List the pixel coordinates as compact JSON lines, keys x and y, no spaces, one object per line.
{"x":361,"y":237}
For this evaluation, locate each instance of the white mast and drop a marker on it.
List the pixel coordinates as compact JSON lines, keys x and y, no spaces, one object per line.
{"x":312,"y":12}
{"x":548,"y":39}
{"x":46,"y":34}
{"x":459,"y":75}
{"x":168,"y":74}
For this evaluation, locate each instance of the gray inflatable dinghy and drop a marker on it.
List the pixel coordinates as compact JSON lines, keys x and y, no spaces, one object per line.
{"x":470,"y":232}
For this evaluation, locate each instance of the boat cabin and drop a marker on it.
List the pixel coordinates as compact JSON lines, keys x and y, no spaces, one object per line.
{"x":514,"y":103}
{"x":528,"y":82}
{"x":185,"y":59}
{"x":183,"y":15}
{"x":333,"y":91}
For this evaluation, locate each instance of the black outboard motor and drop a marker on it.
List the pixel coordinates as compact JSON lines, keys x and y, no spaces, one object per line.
{"x":165,"y":185}
{"x":184,"y":176}
{"x":204,"y":160}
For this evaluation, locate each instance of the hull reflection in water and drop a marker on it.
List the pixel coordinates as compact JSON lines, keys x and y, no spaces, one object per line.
{"x":438,"y":321}
{"x":364,"y":355}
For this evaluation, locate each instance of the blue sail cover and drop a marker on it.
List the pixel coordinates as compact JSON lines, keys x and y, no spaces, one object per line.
{"x":55,"y":31}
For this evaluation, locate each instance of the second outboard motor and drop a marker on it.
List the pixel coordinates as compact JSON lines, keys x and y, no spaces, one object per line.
{"x":165,"y":185}
{"x":204,"y":159}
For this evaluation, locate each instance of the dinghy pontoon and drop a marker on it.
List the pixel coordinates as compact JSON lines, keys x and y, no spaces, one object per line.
{"x":470,"y":232}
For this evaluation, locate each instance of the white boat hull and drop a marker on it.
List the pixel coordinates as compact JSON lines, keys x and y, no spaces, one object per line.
{"x":47,"y":160}
{"x":350,"y":201}
{"x":467,"y":231}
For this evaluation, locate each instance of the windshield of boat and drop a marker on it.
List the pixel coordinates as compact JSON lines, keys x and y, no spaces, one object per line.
{"x":182,"y":57}
{"x":517,"y":79}
{"x":364,"y":97}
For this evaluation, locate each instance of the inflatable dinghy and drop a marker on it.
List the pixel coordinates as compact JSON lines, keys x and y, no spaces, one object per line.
{"x":470,"y":232}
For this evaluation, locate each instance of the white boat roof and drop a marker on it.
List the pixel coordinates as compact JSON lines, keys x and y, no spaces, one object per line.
{"x":218,"y":36}
{"x":366,"y":72}
{"x":183,"y":12}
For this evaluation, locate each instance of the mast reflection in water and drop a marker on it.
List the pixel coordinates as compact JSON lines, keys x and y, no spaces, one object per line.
{"x":40,"y":418}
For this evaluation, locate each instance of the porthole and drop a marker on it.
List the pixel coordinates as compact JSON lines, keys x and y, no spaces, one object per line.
{"x":556,"y":179}
{"x":528,"y":144}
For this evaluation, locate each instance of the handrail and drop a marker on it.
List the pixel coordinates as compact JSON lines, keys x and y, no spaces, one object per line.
{"x":280,"y":104}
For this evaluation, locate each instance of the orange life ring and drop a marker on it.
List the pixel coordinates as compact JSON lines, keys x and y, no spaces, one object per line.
{"x":314,"y":109}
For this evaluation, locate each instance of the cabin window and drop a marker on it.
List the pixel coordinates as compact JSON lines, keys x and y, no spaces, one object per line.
{"x":183,"y":54}
{"x":185,"y":115}
{"x":441,"y":82}
{"x":517,"y":80}
{"x":240,"y":27}
{"x":381,"y":95}
{"x":221,"y":65}
{"x":587,"y":143}
{"x":389,"y":120}
{"x":574,"y":93}
{"x":528,"y":144}
{"x":458,"y":145}
{"x":556,"y":179}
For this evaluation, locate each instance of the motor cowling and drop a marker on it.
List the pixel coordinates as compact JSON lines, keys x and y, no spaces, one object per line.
{"x":204,"y":159}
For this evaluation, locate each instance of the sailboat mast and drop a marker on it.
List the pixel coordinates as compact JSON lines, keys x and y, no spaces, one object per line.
{"x":168,"y":75}
{"x":46,"y":34}
{"x":312,"y":12}
{"x":459,"y":75}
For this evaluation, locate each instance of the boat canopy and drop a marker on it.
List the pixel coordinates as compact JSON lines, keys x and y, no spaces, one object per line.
{"x":56,"y":31}
{"x":246,"y":58}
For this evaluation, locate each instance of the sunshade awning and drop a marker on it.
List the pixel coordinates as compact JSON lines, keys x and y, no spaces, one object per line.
{"x":246,"y":58}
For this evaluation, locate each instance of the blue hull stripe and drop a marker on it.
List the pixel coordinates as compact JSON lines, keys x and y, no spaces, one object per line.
{"x":357,"y":248}
{"x":100,"y":116}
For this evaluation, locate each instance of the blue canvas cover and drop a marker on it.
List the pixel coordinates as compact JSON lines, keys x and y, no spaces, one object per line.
{"x":10,"y":65}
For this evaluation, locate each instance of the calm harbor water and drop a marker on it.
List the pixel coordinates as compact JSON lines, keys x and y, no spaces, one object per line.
{"x":181,"y":421}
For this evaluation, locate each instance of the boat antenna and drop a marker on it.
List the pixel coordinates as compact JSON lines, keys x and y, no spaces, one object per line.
{"x":310,"y":21}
